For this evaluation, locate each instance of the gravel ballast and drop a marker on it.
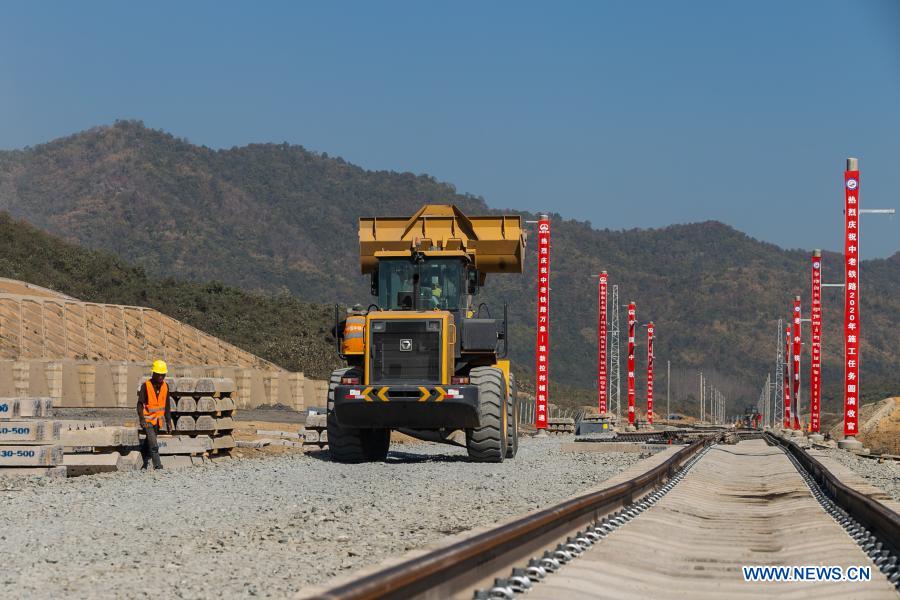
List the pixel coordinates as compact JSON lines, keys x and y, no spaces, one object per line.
{"x":885,"y":475}
{"x":265,"y":527}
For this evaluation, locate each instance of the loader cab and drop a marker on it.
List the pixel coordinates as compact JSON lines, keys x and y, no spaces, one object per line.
{"x":424,"y":283}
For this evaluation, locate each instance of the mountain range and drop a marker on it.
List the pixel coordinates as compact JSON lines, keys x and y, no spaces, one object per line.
{"x":279,"y":219}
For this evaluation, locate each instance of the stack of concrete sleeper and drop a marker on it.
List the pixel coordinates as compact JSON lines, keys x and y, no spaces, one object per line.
{"x":203,"y":413}
{"x":560,"y":425}
{"x":90,"y":447}
{"x":31,"y":443}
{"x":315,"y":431}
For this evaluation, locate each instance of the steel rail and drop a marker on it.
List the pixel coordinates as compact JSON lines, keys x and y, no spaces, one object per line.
{"x":881,"y":521}
{"x":880,"y":457}
{"x":419,"y":575}
{"x":643,"y":436}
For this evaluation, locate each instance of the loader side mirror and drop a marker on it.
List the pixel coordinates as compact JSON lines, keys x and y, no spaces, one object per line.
{"x":472,"y":278}
{"x":374,"y":283}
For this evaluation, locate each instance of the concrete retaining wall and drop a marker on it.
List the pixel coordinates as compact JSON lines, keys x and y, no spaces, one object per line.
{"x":87,"y":384}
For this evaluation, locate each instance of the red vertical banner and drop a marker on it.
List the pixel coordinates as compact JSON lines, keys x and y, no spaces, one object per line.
{"x":632,"y":321}
{"x":542,"y":346}
{"x":787,"y":378}
{"x":815,"y":363}
{"x":650,"y":331}
{"x":851,"y":303}
{"x":601,"y":344}
{"x":797,"y":348}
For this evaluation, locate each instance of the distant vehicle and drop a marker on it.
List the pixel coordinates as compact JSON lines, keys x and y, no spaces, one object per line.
{"x":427,"y":358}
{"x":751,"y":419}
{"x":675,"y":417}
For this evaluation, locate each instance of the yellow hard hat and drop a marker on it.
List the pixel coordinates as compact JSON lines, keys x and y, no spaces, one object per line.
{"x":159,"y":367}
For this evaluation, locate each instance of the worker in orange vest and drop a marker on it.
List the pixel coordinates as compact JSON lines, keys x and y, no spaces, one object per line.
{"x":153,"y":409}
{"x":353,"y":335}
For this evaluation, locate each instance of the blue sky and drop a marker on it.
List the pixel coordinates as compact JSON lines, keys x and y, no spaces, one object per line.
{"x":627,"y":114}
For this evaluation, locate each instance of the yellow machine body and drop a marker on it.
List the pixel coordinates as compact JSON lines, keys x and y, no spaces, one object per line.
{"x":448,"y":339}
{"x":494,"y":244}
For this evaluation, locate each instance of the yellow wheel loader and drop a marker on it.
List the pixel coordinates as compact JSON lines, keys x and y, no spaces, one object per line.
{"x":433,"y":359}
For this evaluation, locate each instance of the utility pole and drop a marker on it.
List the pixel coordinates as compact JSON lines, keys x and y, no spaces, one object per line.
{"x":717,"y":407}
{"x":788,"y":403}
{"x":668,"y":387}
{"x":701,"y":396}
{"x":779,"y":373}
{"x":716,"y":403}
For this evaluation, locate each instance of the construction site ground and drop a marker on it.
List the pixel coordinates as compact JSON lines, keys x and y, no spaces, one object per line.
{"x":248,"y":422}
{"x":266,"y":526}
{"x":879,"y":426}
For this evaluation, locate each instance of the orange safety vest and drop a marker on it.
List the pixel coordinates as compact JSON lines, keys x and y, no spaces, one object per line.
{"x":354,"y":335}
{"x":155,"y":409}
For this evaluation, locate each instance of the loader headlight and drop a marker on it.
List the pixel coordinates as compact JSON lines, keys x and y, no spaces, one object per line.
{"x":434,"y":326}
{"x":378,"y":325}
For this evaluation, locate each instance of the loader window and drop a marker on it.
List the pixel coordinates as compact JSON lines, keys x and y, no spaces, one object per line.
{"x":395,"y":283}
{"x":438,"y":283}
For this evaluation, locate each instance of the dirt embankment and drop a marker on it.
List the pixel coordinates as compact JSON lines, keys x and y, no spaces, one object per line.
{"x":879,"y":426}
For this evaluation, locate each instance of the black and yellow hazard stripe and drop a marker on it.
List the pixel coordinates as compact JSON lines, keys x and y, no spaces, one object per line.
{"x":436,"y":394}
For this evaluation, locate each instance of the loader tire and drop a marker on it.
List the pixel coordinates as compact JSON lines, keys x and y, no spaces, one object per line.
{"x":349,"y":444}
{"x":487,"y":443}
{"x":512,"y":419}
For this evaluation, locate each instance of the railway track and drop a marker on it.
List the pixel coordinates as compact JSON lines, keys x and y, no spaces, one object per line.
{"x":682,"y":529}
{"x":663,"y":437}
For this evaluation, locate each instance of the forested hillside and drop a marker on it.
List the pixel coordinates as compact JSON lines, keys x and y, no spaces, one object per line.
{"x":280,"y":219}
{"x":278,"y":327}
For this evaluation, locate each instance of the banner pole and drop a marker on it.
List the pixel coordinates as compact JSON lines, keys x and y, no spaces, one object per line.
{"x":650,"y":334}
{"x":797,"y":348}
{"x":632,"y":320}
{"x":602,"y":382}
{"x":852,"y":332}
{"x":542,"y":345}
{"x":815,"y":363}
